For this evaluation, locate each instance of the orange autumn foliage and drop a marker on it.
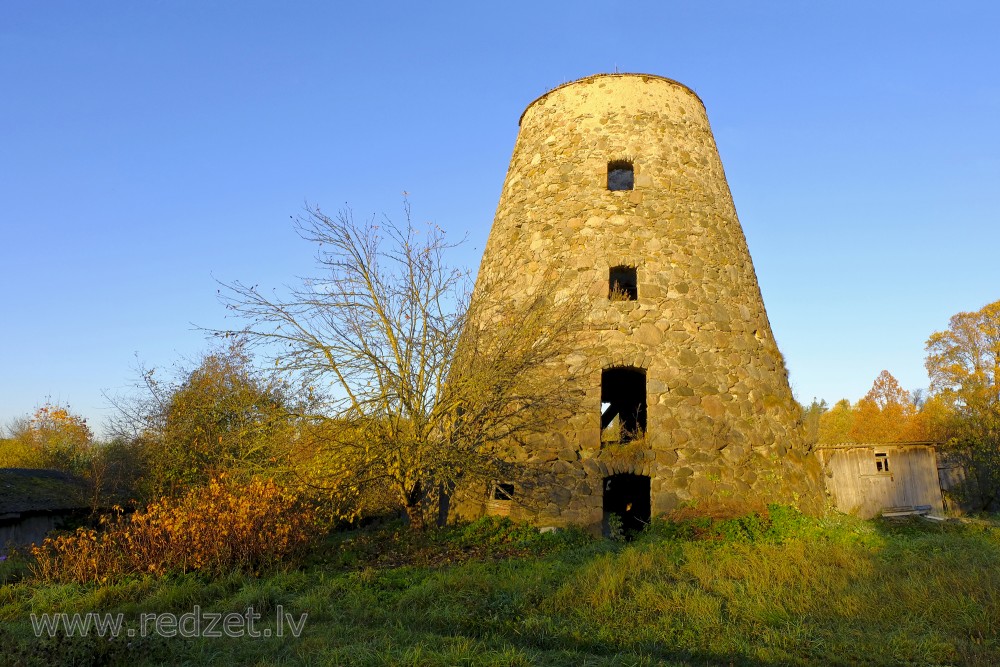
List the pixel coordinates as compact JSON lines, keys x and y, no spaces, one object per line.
{"x":217,"y":528}
{"x":888,"y":414}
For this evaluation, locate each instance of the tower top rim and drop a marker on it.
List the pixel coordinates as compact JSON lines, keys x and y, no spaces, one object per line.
{"x":611,"y":75}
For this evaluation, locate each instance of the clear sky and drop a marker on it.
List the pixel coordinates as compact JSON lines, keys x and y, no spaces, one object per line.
{"x":150,"y":148}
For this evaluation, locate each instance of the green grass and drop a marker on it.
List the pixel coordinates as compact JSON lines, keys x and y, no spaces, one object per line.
{"x":783,"y":589}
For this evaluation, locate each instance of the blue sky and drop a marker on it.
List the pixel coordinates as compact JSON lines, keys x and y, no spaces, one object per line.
{"x":151,"y":148}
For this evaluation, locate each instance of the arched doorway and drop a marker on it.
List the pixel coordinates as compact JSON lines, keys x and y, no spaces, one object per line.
{"x":627,"y":495}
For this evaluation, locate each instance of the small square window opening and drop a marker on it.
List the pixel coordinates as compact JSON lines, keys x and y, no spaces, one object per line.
{"x":881,"y":462}
{"x":623,"y":283}
{"x":621,"y":176}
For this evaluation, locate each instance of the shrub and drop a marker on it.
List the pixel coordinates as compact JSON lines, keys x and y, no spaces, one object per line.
{"x":730,"y":523}
{"x":217,"y":528}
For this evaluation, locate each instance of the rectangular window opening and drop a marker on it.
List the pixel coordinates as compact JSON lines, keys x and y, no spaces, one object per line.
{"x":503,"y":492}
{"x":881,"y":462}
{"x":623,"y":283}
{"x":621,"y":176}
{"x":623,"y":405}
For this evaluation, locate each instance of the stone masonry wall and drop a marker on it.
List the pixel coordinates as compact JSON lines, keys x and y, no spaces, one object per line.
{"x":721,"y":422}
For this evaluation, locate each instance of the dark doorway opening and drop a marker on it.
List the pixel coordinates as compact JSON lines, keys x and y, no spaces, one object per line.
{"x":627,"y":496}
{"x":623,"y":404}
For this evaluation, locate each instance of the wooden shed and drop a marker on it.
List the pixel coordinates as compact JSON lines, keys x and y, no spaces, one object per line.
{"x":873,"y":479}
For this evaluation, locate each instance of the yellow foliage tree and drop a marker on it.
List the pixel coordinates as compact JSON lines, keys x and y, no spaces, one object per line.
{"x":17,"y":452}
{"x":964,"y":366}
{"x":221,"y":416}
{"x":931,"y":422}
{"x":887,"y":413}
{"x":883,"y":415}
{"x":52,"y":437}
{"x":835,"y":424}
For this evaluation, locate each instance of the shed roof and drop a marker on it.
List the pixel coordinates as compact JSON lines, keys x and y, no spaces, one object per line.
{"x":869,"y":445}
{"x":39,"y":490}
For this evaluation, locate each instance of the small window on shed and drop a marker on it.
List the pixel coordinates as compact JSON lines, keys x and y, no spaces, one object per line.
{"x":622,"y":284}
{"x":881,"y":462}
{"x":503,"y":492}
{"x":620,"y":175}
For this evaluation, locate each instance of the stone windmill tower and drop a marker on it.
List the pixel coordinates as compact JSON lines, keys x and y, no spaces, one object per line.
{"x":616,"y":191}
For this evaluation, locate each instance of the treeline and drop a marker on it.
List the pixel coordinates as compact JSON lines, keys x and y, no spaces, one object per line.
{"x":887,"y":413}
{"x":960,"y":410}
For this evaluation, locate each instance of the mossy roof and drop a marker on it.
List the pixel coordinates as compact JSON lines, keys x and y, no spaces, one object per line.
{"x":33,"y":490}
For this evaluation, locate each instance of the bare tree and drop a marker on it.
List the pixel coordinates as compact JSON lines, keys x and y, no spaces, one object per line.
{"x":415,"y":400}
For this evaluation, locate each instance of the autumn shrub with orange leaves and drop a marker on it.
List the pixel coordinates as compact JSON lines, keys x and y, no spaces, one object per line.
{"x":217,"y":528}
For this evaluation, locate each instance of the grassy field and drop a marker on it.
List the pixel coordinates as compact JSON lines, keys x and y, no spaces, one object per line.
{"x":782,"y":589}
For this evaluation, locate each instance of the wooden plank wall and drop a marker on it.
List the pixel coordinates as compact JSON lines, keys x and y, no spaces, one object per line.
{"x":858,"y":488}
